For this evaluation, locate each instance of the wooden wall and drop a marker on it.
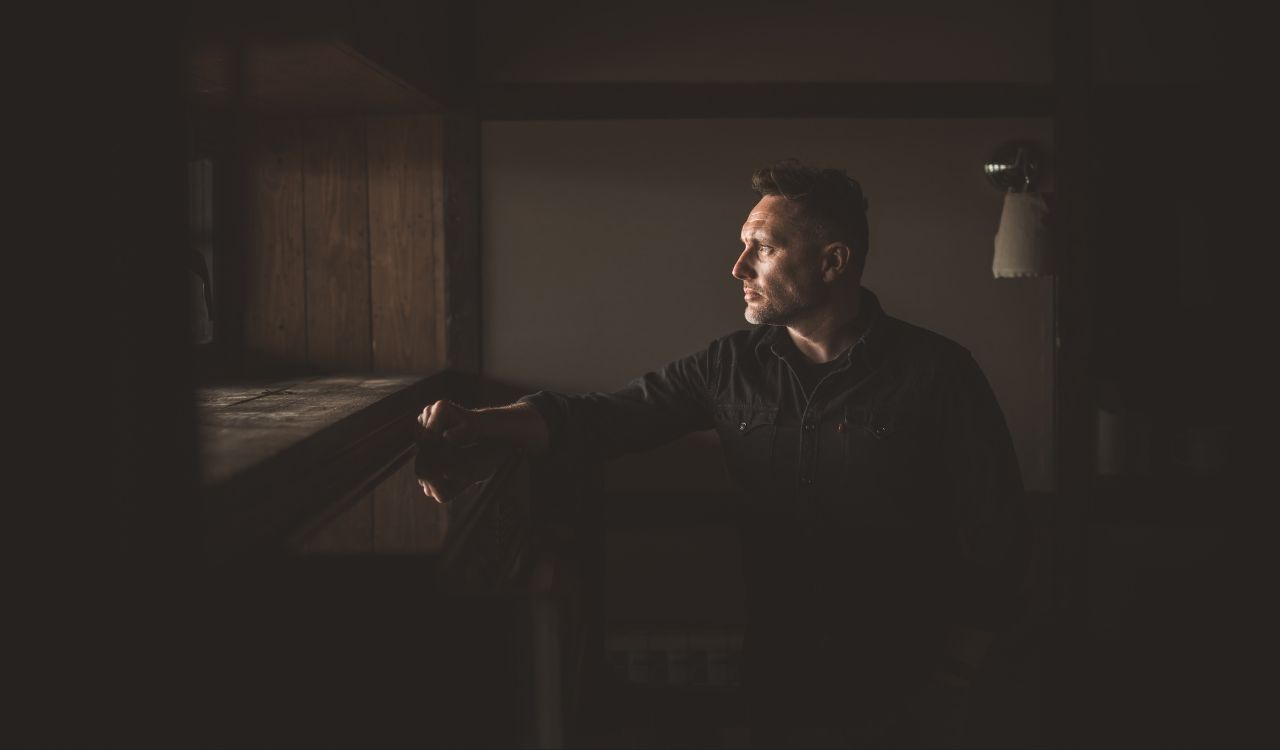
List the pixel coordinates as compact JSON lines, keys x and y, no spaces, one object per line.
{"x":344,"y":271}
{"x":344,"y":245}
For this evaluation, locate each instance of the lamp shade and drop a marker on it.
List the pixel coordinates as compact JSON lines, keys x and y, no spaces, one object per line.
{"x":1023,"y":244}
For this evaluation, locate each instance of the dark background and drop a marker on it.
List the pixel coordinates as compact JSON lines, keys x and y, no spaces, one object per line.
{"x":1158,"y":600}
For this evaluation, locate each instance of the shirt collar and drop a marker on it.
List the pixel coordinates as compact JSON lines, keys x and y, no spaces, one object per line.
{"x":776,"y":342}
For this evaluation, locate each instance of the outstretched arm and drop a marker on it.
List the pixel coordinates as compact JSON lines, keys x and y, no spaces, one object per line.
{"x":461,"y":446}
{"x":458,"y":447}
{"x":517,"y":425}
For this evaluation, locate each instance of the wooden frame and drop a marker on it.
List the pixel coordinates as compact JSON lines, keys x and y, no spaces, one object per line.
{"x":712,"y":100}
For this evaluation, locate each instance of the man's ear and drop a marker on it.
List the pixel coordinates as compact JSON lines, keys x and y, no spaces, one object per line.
{"x":836,"y":260}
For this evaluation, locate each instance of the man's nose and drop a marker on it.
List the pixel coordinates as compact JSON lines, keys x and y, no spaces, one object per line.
{"x":741,"y":269}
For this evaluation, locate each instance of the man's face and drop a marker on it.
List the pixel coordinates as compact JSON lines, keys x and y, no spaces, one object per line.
{"x":780,"y":268}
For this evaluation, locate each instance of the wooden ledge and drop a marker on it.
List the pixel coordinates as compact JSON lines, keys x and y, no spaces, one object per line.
{"x":274,"y":454}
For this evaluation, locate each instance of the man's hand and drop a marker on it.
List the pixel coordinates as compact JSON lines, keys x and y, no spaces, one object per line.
{"x":458,"y":447}
{"x":449,"y":421}
{"x":450,"y":458}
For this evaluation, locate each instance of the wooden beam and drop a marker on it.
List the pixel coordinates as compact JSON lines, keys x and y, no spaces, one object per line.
{"x":460,"y":185}
{"x":713,"y":100}
{"x":301,"y":77}
{"x":1073,"y":155}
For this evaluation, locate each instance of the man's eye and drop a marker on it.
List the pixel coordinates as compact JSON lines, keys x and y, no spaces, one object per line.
{"x":765,"y":249}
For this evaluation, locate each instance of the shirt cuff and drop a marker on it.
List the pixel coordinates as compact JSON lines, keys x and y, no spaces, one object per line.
{"x":551,"y":407}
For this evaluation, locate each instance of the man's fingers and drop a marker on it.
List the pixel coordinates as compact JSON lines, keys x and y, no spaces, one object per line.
{"x":436,"y":417}
{"x":449,"y":422}
{"x":443,"y":425}
{"x":431,"y":492}
{"x":425,"y":414}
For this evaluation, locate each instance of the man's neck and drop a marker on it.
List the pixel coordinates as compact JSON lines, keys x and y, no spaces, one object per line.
{"x":833,"y":330}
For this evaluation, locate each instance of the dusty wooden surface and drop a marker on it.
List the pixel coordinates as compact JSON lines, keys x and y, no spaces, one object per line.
{"x":277,"y":456}
{"x":243,"y":425}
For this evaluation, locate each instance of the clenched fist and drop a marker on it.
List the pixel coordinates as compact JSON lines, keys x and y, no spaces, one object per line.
{"x":450,"y":457}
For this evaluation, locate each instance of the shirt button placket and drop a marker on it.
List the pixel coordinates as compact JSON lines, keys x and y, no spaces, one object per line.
{"x":808,"y":451}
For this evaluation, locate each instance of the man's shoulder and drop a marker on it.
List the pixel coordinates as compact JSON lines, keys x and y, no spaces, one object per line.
{"x":921,"y":346}
{"x":913,"y":342}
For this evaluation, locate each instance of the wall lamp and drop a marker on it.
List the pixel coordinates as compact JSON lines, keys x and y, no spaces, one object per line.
{"x":1023,"y":246}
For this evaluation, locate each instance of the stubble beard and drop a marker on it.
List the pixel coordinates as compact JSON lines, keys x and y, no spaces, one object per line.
{"x":788,"y":305}
{"x":771,"y":314}
{"x":758,"y":316}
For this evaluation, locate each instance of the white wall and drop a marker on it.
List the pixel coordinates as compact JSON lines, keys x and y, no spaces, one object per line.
{"x":607,"y":246}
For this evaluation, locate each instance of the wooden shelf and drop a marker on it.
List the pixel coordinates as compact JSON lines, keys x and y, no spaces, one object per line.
{"x":275,"y":453}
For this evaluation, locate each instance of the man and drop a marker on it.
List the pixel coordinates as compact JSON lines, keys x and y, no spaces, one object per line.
{"x":881,"y":519}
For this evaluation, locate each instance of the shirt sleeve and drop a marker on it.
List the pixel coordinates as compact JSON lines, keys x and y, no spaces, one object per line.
{"x":987,"y":501}
{"x":651,"y":410}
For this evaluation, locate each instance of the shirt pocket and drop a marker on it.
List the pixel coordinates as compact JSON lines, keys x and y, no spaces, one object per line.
{"x":879,"y":466}
{"x":748,"y":435}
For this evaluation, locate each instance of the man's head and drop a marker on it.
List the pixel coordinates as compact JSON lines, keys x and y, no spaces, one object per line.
{"x":804,"y":243}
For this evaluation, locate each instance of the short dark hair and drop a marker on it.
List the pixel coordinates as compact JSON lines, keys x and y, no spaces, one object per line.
{"x":833,"y":204}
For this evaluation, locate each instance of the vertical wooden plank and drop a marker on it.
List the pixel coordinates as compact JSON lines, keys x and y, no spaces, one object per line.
{"x":460,"y":199}
{"x":404,"y":239}
{"x":461,"y":186}
{"x":275,"y":325}
{"x":1065,"y":681}
{"x":350,"y":532}
{"x":439,"y":246}
{"x":406,"y":522}
{"x":336,"y":228}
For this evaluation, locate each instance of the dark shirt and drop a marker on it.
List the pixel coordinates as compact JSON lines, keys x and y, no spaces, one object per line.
{"x":812,"y":373}
{"x":879,"y":508}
